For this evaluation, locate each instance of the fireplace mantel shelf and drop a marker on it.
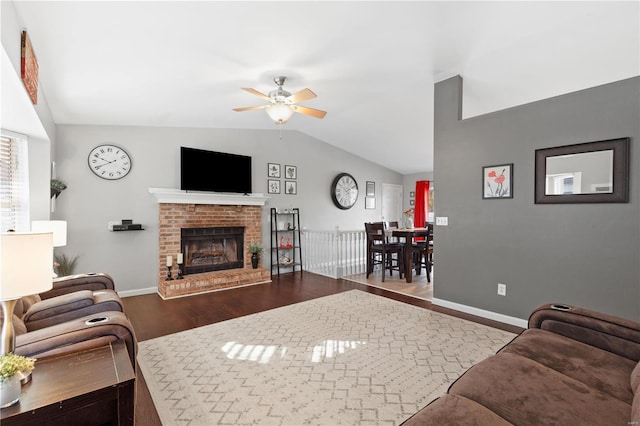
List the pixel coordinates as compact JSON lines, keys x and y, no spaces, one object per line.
{"x":177,"y":196}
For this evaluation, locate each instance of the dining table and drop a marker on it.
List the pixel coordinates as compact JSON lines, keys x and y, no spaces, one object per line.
{"x":408,"y":234}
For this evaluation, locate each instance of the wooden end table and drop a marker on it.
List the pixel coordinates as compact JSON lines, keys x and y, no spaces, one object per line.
{"x":92,"y":387}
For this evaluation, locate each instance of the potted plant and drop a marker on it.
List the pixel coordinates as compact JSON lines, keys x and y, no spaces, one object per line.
{"x":64,"y":265}
{"x":57,"y":186}
{"x":10,"y":387}
{"x":256,"y":250}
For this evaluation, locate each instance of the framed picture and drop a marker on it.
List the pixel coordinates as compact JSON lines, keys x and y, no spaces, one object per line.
{"x":412,"y":194}
{"x":274,"y":186}
{"x":412,"y":202}
{"x":369,"y":202}
{"x":290,"y":187}
{"x":29,"y":68}
{"x":290,"y":172}
{"x":371,"y":189}
{"x":497,"y":181}
{"x":273,"y":170}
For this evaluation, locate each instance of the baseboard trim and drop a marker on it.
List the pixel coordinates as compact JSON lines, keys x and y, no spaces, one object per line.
{"x":518,"y":322}
{"x":138,"y":292}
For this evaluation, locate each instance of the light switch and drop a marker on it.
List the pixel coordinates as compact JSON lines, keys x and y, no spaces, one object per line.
{"x":442,"y":221}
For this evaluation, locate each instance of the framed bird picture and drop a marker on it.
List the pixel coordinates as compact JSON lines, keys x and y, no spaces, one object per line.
{"x":497,"y":181}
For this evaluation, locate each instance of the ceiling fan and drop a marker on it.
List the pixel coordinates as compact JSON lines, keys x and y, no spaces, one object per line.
{"x":283,"y":104}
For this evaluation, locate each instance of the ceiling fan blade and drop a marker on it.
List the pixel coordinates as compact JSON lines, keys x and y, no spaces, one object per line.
{"x":250,"y":108}
{"x":255,"y":92}
{"x":301,"y":96}
{"x":309,"y":111}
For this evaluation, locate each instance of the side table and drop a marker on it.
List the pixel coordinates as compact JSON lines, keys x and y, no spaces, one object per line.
{"x":92,"y":387}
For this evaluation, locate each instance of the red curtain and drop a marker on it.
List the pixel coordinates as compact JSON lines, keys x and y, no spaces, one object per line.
{"x":422,"y":203}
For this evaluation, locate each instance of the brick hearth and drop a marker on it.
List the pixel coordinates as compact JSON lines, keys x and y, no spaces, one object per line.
{"x":175,"y":216}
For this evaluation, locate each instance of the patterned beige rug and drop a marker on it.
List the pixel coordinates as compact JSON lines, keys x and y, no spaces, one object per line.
{"x":346,"y":359}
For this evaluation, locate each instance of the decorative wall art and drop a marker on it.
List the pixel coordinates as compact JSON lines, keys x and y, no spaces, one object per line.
{"x":497,"y":181}
{"x":273,"y":170}
{"x":290,"y":187}
{"x":369,"y":202}
{"x":274,"y":186}
{"x":371,"y":189}
{"x":290,"y":172}
{"x":29,"y":67}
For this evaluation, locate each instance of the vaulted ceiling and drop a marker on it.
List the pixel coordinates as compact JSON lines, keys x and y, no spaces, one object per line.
{"x":372,"y":64}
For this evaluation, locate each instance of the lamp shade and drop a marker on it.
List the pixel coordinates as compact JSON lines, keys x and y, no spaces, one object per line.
{"x":58,"y":227}
{"x":279,"y":112}
{"x":25,"y":264}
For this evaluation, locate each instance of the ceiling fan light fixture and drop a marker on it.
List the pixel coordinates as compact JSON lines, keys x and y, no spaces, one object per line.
{"x":279,"y":112}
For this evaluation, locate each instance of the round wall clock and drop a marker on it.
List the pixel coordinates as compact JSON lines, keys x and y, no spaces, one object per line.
{"x":344,"y":191}
{"x":109,"y":162}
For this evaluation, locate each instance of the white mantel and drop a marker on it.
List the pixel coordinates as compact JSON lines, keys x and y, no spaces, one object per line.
{"x":177,"y":196}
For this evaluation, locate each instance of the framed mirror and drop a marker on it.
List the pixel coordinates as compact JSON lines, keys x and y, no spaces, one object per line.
{"x":593,"y":172}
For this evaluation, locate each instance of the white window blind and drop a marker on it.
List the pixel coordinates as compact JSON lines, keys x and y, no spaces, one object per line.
{"x":14,"y":184}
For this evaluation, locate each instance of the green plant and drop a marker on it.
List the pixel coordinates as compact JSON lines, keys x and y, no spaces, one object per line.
{"x":255,"y":248}
{"x":57,"y":186}
{"x":10,"y":364}
{"x":64,"y":265}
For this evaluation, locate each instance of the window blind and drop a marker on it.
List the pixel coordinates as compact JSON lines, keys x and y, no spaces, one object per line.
{"x":14,"y":184}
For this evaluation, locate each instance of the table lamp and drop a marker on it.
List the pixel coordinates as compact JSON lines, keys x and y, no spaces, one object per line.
{"x":58,"y":227}
{"x":25,"y":269}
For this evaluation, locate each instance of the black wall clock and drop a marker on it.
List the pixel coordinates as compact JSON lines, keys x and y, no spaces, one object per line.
{"x":109,"y":162}
{"x":344,"y":191}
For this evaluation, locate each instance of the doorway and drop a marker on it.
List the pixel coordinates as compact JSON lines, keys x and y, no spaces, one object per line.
{"x":391,"y":205}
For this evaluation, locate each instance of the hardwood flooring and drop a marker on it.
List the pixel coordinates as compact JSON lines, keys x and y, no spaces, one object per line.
{"x":153,"y":317}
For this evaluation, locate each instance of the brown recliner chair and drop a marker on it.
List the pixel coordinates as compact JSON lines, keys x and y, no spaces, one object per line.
{"x":72,"y":320}
{"x":71,"y":297}
{"x":70,"y":283}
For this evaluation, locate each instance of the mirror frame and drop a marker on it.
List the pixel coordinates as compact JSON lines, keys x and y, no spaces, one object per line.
{"x":620,"y":192}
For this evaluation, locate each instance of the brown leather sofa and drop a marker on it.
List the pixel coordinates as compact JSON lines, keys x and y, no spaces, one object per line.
{"x":80,"y":312}
{"x":571,"y":366}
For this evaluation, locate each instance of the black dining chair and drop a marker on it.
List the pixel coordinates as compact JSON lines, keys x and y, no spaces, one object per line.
{"x":379,"y":251}
{"x":422,"y":252}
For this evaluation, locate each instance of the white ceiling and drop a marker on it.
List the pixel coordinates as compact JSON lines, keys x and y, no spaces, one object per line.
{"x":372,"y":64}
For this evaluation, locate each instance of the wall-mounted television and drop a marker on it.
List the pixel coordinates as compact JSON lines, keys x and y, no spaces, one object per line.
{"x":202,"y":170}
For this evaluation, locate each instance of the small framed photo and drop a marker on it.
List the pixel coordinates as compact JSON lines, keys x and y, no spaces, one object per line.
{"x":369,"y":202}
{"x":371,"y":189}
{"x":290,"y":187}
{"x":274,"y":186}
{"x":412,"y":202}
{"x":273,"y":170}
{"x":412,"y":194}
{"x":497,"y":181}
{"x":290,"y":172}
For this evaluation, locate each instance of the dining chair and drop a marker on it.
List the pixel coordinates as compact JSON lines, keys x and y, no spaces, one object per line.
{"x":379,"y":251}
{"x":422,"y":252}
{"x":391,"y":225}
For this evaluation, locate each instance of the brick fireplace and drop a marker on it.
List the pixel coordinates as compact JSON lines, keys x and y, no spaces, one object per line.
{"x":175,"y":216}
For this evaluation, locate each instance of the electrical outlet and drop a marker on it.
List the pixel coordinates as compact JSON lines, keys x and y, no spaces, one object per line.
{"x":502,"y":289}
{"x":442,"y":221}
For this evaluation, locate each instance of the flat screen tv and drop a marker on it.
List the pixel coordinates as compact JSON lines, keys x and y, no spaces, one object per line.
{"x":202,"y":170}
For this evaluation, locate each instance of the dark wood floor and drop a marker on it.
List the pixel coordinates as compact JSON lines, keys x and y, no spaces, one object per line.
{"x":153,"y":317}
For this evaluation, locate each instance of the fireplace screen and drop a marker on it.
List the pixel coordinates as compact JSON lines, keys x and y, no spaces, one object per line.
{"x":212,"y":249}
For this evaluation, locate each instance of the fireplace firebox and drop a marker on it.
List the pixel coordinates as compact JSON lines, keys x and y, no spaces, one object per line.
{"x":212,"y":249}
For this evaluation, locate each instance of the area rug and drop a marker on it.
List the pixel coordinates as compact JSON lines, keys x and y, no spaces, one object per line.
{"x":345,"y":359}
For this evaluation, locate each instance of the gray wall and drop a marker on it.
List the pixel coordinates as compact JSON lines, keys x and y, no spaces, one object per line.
{"x":131,"y":257}
{"x":582,"y":254}
{"x":33,"y":121}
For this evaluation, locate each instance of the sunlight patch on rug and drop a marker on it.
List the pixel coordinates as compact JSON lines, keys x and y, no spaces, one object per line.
{"x":345,"y":359}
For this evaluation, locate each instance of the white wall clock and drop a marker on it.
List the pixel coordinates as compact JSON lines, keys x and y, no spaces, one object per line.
{"x":344,"y":191}
{"x":109,"y":162}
